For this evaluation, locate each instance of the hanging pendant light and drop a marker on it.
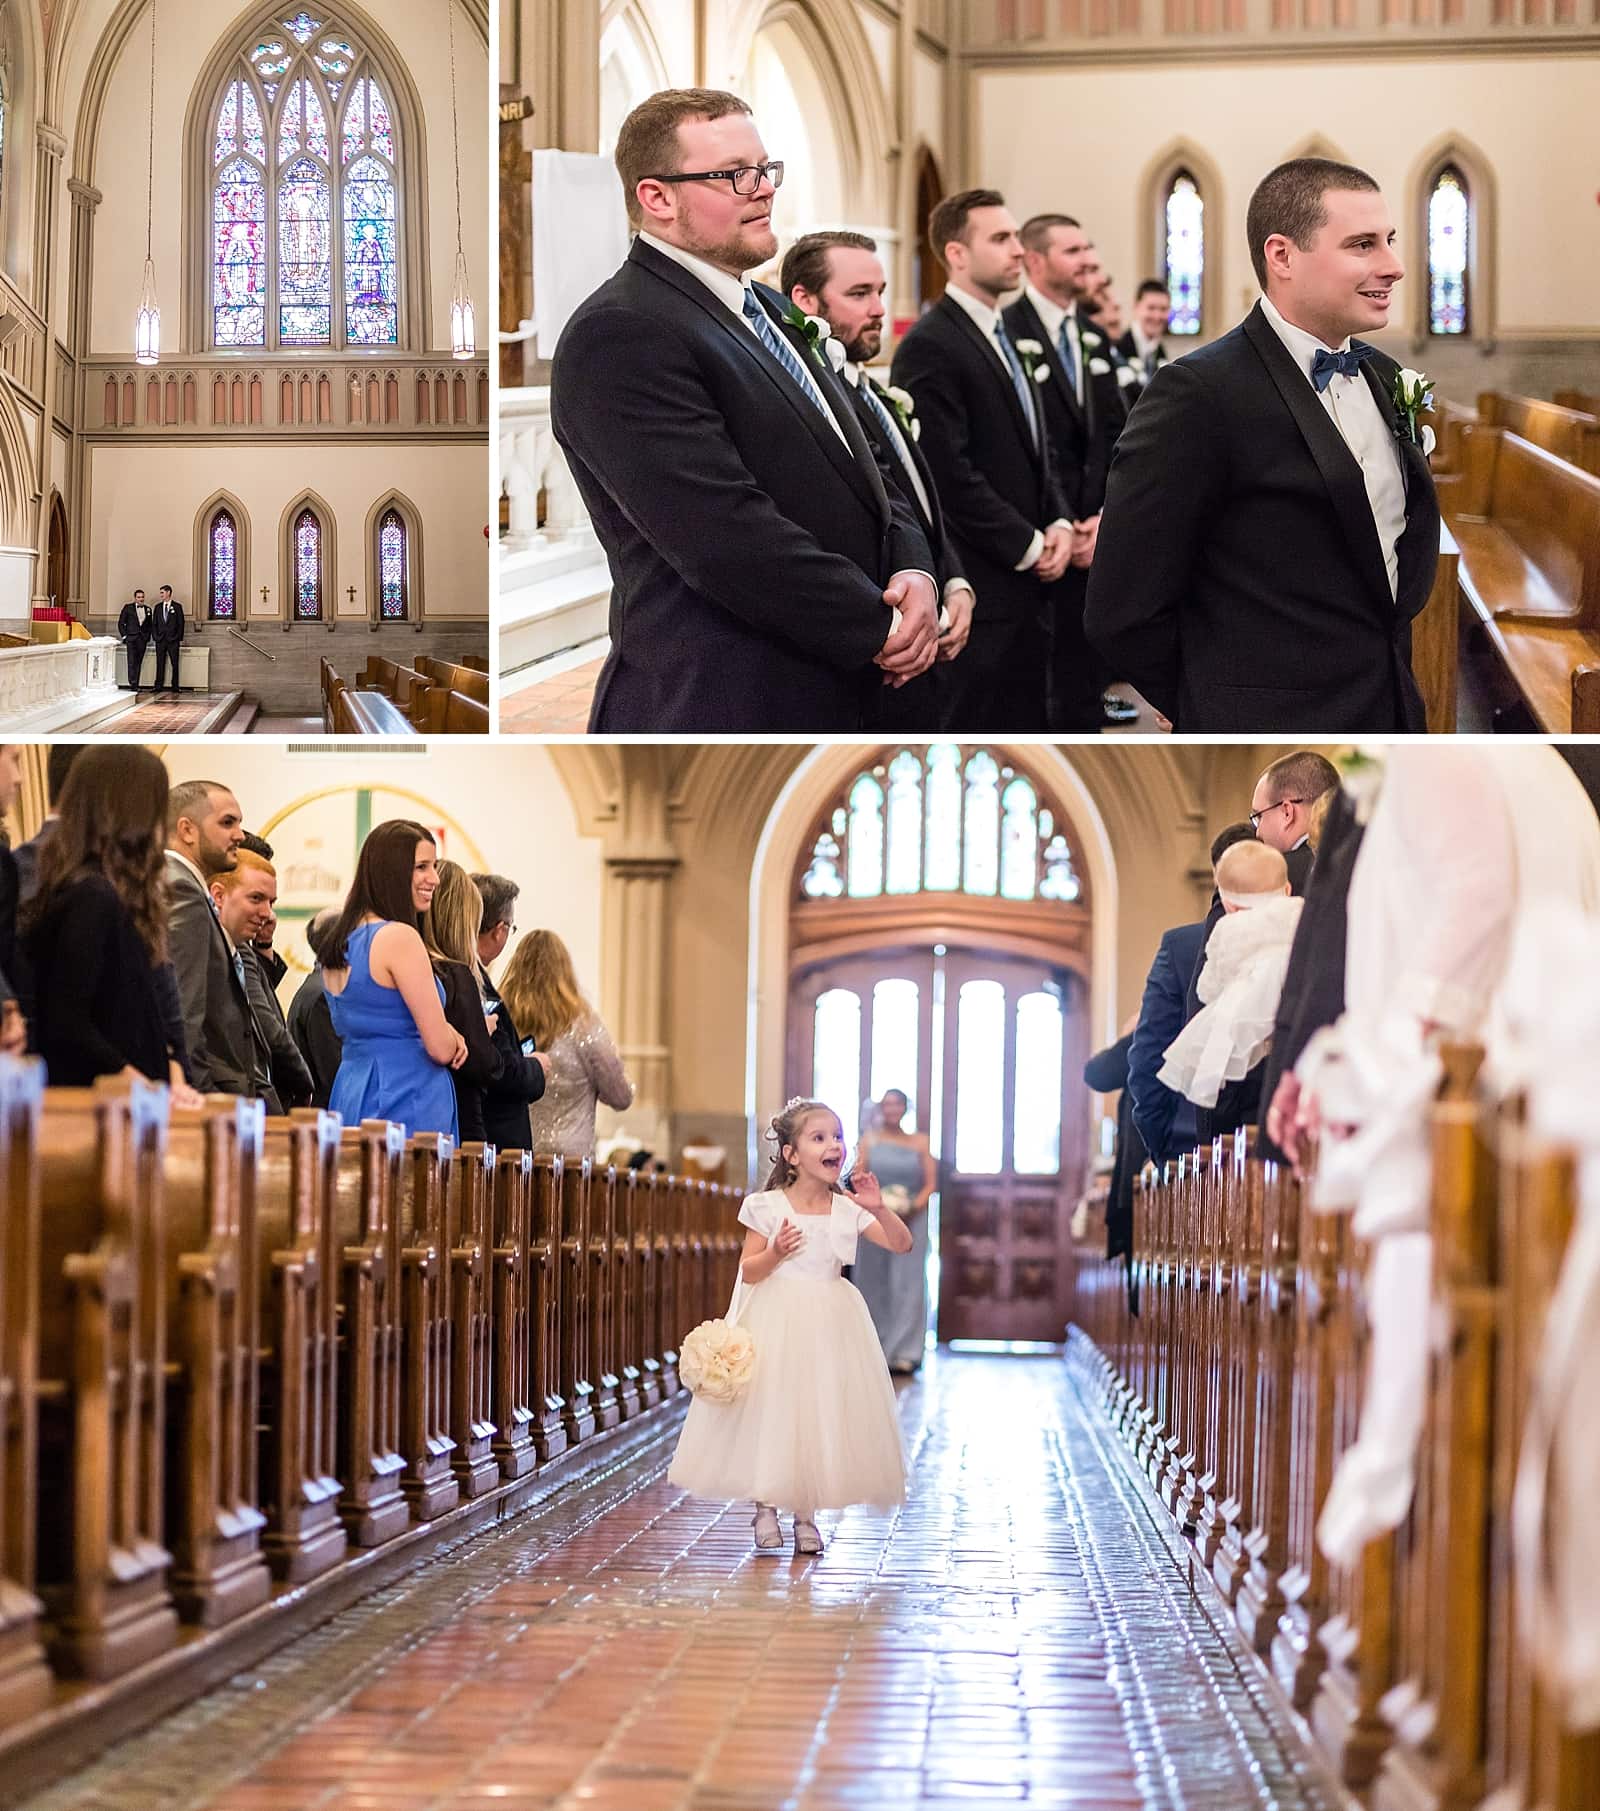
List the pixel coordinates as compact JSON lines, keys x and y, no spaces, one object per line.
{"x":147,"y":330}
{"x":463,"y":326}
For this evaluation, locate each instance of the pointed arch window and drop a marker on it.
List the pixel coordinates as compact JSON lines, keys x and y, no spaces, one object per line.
{"x":222,"y":567}
{"x":308,"y":566}
{"x":941,"y":819}
{"x":1449,"y":252}
{"x":394,"y":587}
{"x":305,"y":215}
{"x":1184,"y":251}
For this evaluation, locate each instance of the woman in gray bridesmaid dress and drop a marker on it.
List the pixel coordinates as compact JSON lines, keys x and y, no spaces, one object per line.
{"x":897,"y":1292}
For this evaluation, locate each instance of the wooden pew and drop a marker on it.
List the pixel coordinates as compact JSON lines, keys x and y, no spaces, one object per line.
{"x":1448,"y":420}
{"x":512,"y":1407}
{"x":1586,"y":701}
{"x":1586,"y":402}
{"x":25,"y":1681}
{"x":429,"y":1479}
{"x":469,"y":681}
{"x":601,"y":1357}
{"x":1572,"y":435}
{"x":478,"y":663}
{"x":469,"y":1241}
{"x":574,"y":1180}
{"x":100,"y":1513}
{"x":1436,"y":640}
{"x":547,"y":1270}
{"x":442,"y":712}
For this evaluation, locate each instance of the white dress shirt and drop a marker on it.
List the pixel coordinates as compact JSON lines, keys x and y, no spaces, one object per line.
{"x":987,"y":320}
{"x":1354,"y":411}
{"x":730,"y":291}
{"x":1144,"y":347}
{"x":1051,"y":315}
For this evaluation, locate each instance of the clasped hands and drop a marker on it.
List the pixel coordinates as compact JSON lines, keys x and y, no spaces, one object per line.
{"x":1067,"y":544}
{"x":914,"y":646}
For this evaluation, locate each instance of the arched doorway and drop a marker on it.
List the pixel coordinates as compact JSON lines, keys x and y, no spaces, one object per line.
{"x":928,"y":277}
{"x":940,"y":944}
{"x":58,"y":570}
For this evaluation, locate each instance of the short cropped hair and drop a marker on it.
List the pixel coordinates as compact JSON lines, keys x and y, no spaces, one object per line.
{"x":949,"y":219}
{"x":1151,"y":286}
{"x":189,"y":797}
{"x":257,"y":845}
{"x":647,"y":145}
{"x":1288,"y":200}
{"x":1223,"y":841}
{"x":1302,"y":775}
{"x":1035,"y":231}
{"x":499,"y":896}
{"x":805,"y":264}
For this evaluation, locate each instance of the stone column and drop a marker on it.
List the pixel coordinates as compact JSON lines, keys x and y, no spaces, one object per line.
{"x":636,"y":923}
{"x":50,"y":148}
{"x":80,"y":287}
{"x":903,"y":170}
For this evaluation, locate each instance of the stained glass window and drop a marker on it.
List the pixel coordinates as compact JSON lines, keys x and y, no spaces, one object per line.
{"x":1449,"y":229}
{"x":308,"y":566}
{"x":392,"y":586}
{"x":305,"y":248}
{"x":1184,"y":220}
{"x":224,"y":562}
{"x":943,"y":819}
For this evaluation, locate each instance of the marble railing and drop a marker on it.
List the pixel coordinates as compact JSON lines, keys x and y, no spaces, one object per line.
{"x":56,"y":684}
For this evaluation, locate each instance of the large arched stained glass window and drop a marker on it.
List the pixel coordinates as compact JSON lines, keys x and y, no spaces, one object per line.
{"x":1449,"y":227}
{"x":943,"y":819}
{"x":222,"y":562}
{"x":304,"y":242}
{"x":307,"y":566}
{"x":393,"y":580}
{"x":1183,"y":221}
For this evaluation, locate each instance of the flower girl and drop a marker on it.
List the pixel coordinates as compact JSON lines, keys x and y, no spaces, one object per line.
{"x":816,"y":1428}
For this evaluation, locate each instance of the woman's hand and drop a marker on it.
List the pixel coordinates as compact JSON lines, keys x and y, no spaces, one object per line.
{"x":459,"y":1055}
{"x":491,"y":1022}
{"x":863,"y":1189}
{"x":787,"y":1240}
{"x":13,"y":1030}
{"x":184,"y":1096}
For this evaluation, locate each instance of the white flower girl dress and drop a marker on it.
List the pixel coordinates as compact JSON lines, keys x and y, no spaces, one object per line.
{"x":817,"y":1427}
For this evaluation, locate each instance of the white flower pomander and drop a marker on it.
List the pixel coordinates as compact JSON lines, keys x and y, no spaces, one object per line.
{"x":1127,"y":375}
{"x":836,"y":353}
{"x":1099,"y":368}
{"x":717,"y":1360}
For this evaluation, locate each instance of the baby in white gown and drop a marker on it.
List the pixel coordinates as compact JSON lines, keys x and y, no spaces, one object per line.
{"x":1241,"y":977}
{"x":816,"y":1428}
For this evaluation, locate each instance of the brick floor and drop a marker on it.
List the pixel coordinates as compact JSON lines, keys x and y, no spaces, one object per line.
{"x":160,"y":714}
{"x":1025,"y":1630}
{"x":558,"y":706}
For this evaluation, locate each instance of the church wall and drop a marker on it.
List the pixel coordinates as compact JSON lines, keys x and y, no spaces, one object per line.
{"x":1083,"y":139}
{"x":188,"y":33}
{"x":508,"y":807}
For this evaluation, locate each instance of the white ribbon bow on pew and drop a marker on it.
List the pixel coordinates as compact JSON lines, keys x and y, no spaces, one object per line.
{"x":1379,"y":1080}
{"x":1552,"y":1007}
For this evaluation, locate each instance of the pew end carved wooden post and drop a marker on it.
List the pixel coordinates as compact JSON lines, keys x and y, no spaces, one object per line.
{"x":512,"y":1402}
{"x":547,"y":1281}
{"x":576,"y":1388}
{"x":471,"y":1425}
{"x":600,"y":1363}
{"x":428,"y":1480}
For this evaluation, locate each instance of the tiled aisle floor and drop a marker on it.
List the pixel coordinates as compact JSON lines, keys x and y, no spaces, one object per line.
{"x":1022,"y":1631}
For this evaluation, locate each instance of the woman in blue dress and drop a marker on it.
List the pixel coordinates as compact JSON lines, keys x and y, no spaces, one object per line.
{"x":386,"y":1002}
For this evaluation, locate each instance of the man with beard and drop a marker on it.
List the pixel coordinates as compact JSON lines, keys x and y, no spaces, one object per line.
{"x":764,"y":577}
{"x":984,"y":437}
{"x":838,"y":277}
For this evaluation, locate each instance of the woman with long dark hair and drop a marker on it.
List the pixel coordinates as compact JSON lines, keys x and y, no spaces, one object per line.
{"x":94,"y":934}
{"x":386,"y":1002}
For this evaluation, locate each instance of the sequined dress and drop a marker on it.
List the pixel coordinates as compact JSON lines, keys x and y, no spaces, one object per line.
{"x":584,"y":1069}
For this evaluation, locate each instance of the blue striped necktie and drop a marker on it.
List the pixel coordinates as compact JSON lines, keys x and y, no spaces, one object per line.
{"x":1019,"y":379}
{"x":1068,"y":352}
{"x":779,"y":347}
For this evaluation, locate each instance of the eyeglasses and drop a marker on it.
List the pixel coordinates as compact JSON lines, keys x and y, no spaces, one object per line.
{"x":746,"y":180}
{"x":1257,"y":816}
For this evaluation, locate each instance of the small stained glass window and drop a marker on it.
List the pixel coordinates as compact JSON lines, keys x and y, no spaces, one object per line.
{"x":224,"y":561}
{"x":392,"y":585}
{"x":308,"y":566}
{"x":1449,"y":243}
{"x":1184,"y":221}
{"x":866,"y":838}
{"x":823,"y":879}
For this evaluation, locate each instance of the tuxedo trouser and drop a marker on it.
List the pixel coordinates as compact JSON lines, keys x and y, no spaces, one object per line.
{"x":917,"y":708}
{"x":136,"y":646}
{"x":1075,"y":674}
{"x":167,"y":651}
{"x":997,"y":681}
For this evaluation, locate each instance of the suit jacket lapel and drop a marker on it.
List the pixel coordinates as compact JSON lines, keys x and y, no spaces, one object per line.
{"x":868,"y":485}
{"x":1418,"y":549}
{"x":1339,"y":467}
{"x":965,"y":324}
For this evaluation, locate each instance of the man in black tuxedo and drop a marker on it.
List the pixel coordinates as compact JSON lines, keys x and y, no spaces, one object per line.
{"x":1271,"y":527}
{"x":133,"y":631}
{"x":988,"y":446}
{"x":168,"y":635}
{"x":1144,"y":346}
{"x":839,"y":278}
{"x":763,"y":575}
{"x":1084,"y":414}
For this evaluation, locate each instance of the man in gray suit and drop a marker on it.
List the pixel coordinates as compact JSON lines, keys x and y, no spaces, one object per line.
{"x":244,"y":900}
{"x":204,"y":831}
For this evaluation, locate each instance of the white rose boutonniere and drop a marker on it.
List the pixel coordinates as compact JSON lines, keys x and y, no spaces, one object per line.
{"x":1127,"y":375}
{"x":1412,"y":393}
{"x":1032,"y":355}
{"x":904,"y":405}
{"x":836,"y":352}
{"x":815,"y":331}
{"x":1099,"y":368}
{"x":1090,"y":339}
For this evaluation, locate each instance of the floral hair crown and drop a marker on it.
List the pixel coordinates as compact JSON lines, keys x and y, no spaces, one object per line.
{"x":777,"y":1119}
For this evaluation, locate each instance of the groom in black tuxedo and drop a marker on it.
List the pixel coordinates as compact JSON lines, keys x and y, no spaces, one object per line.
{"x":839,"y":277}
{"x":987,"y":442}
{"x":1270,"y":525}
{"x":764,"y":577}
